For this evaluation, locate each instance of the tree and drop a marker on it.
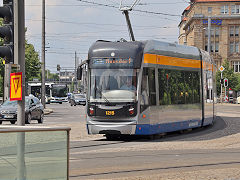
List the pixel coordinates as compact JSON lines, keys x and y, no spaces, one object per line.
{"x":32,"y":64}
{"x":51,"y":76}
{"x":233,"y":80}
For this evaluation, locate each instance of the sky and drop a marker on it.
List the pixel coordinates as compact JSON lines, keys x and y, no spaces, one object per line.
{"x":74,"y":25}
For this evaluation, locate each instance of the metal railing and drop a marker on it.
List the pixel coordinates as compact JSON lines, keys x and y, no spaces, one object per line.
{"x":38,"y":153}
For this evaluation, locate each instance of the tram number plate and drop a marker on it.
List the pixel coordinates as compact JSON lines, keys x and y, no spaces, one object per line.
{"x":110,"y":113}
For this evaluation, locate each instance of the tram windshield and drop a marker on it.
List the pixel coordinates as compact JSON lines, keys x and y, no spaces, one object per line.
{"x":113,"y":85}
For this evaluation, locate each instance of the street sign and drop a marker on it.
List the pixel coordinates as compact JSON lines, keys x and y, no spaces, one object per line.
{"x":16,"y":86}
{"x":221,"y":69}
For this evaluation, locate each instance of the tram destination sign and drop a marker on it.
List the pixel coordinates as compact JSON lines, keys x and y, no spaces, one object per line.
{"x":111,"y":63}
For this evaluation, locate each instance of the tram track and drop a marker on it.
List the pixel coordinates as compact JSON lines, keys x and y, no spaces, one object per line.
{"x":94,"y":157}
{"x":90,"y":175}
{"x":221,"y":128}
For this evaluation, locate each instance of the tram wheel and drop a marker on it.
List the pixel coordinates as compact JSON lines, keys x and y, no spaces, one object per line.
{"x":112,"y":137}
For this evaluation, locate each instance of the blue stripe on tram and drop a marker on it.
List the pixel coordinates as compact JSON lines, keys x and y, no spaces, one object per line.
{"x":148,"y":129}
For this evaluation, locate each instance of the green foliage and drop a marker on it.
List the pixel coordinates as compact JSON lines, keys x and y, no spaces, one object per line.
{"x":32,"y":67}
{"x":33,"y":64}
{"x":233,"y":79}
{"x":51,"y":76}
{"x":238,"y":84}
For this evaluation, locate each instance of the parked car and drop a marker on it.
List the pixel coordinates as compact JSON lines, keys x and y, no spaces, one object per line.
{"x":78,"y":99}
{"x":33,"y":110}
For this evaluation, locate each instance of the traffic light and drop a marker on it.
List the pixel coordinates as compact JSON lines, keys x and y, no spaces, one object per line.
{"x":7,"y":31}
{"x":79,"y":73}
{"x":221,"y":81}
{"x":225,"y":82}
{"x":58,"y":67}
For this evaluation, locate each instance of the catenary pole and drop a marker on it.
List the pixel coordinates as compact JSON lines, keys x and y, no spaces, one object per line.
{"x":75,"y":73}
{"x":43,"y":93}
{"x":209,"y":47}
{"x":19,"y":58}
{"x":19,"y":53}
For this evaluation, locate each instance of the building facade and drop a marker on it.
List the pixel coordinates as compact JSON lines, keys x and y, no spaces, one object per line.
{"x":225,"y":24}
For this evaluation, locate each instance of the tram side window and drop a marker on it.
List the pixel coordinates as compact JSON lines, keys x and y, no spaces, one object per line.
{"x":151,"y":86}
{"x":178,"y":87}
{"x":144,"y":91}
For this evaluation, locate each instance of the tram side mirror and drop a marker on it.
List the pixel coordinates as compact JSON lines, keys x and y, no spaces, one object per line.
{"x":79,"y":73}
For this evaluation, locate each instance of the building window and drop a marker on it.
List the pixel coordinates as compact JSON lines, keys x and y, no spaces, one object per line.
{"x":206,"y":48}
{"x":211,"y":47}
{"x":212,"y":31}
{"x":231,"y":31}
{"x":236,"y":66}
{"x":209,"y":10}
{"x":231,"y":47}
{"x":206,"y":32}
{"x":217,"y":31}
{"x":235,"y":9}
{"x":216,"y":46}
{"x":237,"y":47}
{"x":234,"y":47}
{"x":224,"y":10}
{"x":236,"y":30}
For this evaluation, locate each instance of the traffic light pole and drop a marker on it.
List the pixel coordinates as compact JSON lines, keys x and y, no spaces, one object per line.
{"x":19,"y":58}
{"x":19,"y":53}
{"x":7,"y":81}
{"x":221,"y":88}
{"x":43,"y":93}
{"x":75,"y":73}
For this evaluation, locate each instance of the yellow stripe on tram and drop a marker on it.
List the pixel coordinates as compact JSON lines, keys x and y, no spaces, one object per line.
{"x":171,"y":61}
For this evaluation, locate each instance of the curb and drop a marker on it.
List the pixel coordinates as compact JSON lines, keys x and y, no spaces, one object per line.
{"x":47,"y":111}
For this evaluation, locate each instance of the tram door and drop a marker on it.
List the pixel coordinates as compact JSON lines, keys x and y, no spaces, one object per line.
{"x":154,"y":111}
{"x":148,"y":96}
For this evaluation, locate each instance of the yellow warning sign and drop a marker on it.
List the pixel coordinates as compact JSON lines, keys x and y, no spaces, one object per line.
{"x":221,"y":69}
{"x":16,"y":86}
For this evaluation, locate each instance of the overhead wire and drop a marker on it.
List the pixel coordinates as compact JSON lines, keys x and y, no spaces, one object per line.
{"x":112,"y":6}
{"x":137,"y":2}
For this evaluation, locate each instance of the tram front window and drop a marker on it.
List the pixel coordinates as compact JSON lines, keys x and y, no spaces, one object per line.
{"x":113,"y":85}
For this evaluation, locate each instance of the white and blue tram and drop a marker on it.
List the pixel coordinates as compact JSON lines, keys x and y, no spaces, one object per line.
{"x":149,"y":87}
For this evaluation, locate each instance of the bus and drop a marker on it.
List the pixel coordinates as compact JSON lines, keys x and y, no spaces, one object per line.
{"x":55,"y":93}
{"x":59,"y":93}
{"x":35,"y":89}
{"x":148,"y":87}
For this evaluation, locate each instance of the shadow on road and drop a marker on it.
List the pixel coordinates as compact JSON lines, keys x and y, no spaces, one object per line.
{"x":221,"y":127}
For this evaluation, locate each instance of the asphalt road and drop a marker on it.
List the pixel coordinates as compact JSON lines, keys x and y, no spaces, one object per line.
{"x":140,"y":157}
{"x":101,"y":159}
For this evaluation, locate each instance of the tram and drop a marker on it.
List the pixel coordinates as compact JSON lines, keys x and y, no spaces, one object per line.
{"x":148,"y":87}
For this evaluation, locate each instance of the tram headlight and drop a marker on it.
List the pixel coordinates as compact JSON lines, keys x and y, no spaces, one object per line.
{"x":131,"y":111}
{"x":91,"y":111}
